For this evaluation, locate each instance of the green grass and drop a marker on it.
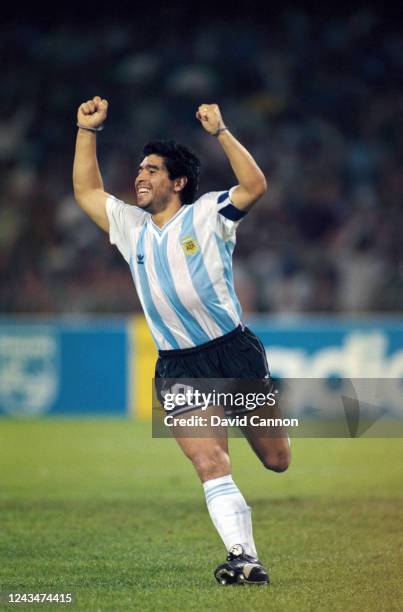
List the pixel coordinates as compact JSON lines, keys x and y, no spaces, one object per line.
{"x":100,"y":509}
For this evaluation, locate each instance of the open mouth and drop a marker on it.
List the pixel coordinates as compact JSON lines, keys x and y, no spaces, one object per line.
{"x":143,"y":191}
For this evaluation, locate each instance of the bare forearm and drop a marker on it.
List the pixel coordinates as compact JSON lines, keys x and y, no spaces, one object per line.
{"x":252,"y":183}
{"x":87,"y":181}
{"x":246,"y":170}
{"x":86,"y":173}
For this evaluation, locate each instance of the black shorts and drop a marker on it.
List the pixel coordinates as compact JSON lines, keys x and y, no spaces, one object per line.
{"x":236,"y":356}
{"x":239,"y":354}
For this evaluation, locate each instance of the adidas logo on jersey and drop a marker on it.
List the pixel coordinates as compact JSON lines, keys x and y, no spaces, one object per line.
{"x":140,"y":259}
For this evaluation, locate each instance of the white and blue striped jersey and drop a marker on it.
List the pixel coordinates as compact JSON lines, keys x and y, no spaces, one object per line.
{"x":182,"y":271}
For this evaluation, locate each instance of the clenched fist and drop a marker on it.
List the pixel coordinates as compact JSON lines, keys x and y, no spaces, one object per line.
{"x":210,"y":117}
{"x":92,"y":113}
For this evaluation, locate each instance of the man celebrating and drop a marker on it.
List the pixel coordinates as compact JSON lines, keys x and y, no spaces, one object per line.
{"x":179,"y":250}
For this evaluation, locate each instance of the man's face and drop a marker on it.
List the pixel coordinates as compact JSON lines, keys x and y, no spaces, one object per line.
{"x":153,"y":185}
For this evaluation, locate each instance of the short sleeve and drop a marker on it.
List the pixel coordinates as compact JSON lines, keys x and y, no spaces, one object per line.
{"x":218,"y":207}
{"x":122,"y":219}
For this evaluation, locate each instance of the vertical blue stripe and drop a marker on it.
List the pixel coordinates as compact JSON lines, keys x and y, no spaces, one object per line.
{"x":202,"y":281}
{"x":163,"y":272}
{"x":148,"y":301}
{"x":226,"y":249}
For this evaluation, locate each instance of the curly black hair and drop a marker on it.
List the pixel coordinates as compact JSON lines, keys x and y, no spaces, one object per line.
{"x":179,"y":161}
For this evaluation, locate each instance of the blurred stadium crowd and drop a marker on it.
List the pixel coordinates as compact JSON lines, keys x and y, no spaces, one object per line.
{"x":318,"y":101}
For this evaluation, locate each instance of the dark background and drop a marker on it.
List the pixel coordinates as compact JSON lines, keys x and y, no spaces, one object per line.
{"x":316,"y":95}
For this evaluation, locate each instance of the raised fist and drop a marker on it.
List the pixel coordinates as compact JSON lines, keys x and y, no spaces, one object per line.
{"x":92,"y":113}
{"x":210,"y":117}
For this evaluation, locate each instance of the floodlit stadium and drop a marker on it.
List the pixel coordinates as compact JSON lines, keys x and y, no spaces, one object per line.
{"x":101,"y":507}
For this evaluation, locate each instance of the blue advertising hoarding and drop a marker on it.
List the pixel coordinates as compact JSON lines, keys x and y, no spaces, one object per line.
{"x":59,"y":367}
{"x":101,"y":367}
{"x":319,"y":347}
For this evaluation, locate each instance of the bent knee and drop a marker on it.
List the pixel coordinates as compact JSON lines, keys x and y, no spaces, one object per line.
{"x":277,"y":462}
{"x":212,"y":464}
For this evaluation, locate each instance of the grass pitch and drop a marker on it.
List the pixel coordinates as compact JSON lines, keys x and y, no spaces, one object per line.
{"x":100,"y":509}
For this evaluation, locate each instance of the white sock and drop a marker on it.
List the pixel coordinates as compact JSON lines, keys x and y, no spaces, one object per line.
{"x":230,"y":513}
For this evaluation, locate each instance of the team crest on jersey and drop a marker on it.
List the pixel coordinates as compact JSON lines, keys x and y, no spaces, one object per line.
{"x":190,"y":245}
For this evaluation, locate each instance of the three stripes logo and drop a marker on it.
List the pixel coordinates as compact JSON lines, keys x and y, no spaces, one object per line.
{"x":140,"y":258}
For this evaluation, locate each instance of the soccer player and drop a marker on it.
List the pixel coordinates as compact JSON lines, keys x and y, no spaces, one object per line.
{"x":179,"y":250}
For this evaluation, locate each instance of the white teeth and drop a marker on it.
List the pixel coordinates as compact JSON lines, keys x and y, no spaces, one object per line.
{"x":143,"y":190}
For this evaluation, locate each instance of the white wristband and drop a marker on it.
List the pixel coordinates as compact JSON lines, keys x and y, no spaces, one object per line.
{"x":219,"y":131}
{"x":91,"y":129}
